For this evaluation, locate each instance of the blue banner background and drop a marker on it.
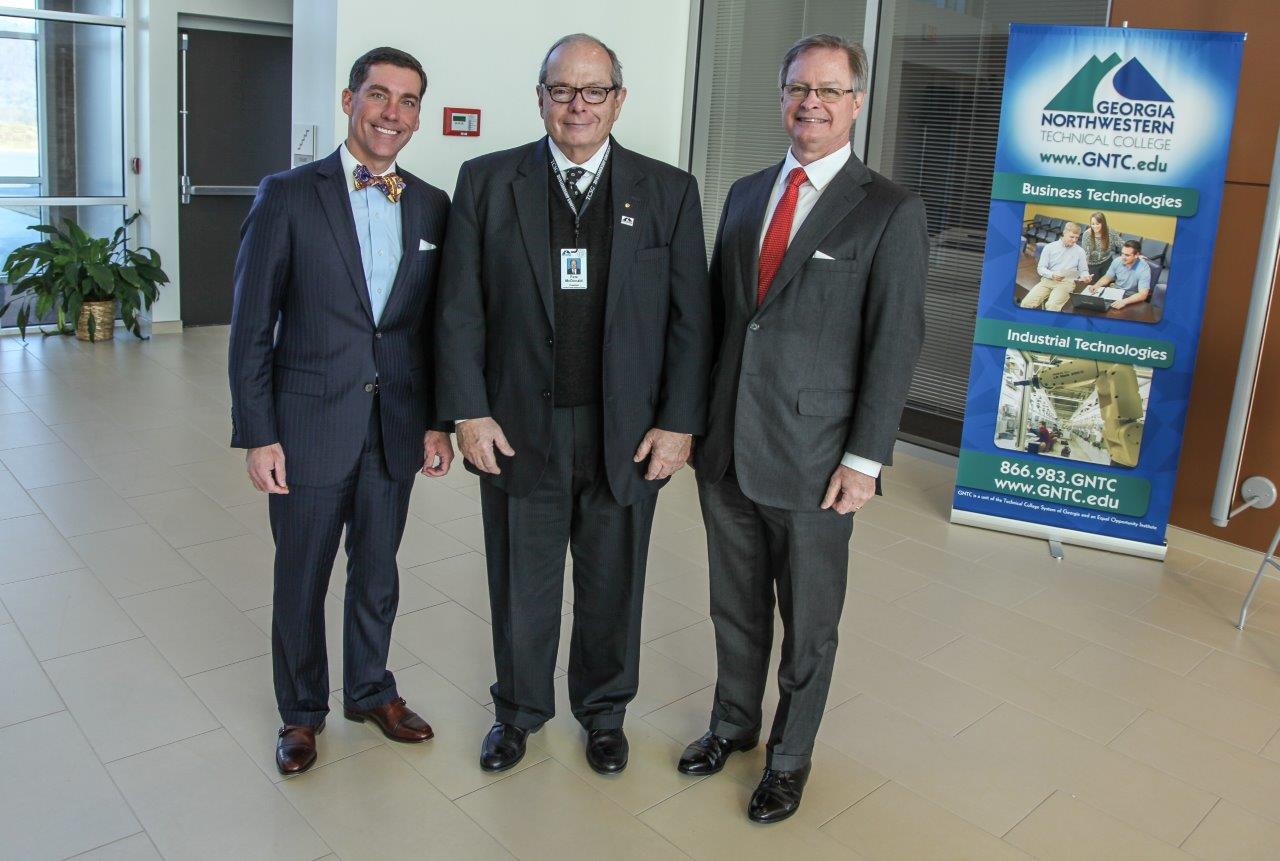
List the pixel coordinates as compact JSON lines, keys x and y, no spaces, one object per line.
{"x":1200,"y":71}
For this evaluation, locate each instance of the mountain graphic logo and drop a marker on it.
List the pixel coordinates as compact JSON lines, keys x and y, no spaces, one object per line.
{"x":1132,"y":81}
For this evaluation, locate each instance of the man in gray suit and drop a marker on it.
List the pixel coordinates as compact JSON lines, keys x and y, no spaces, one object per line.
{"x":818,"y":282}
{"x":574,"y":348}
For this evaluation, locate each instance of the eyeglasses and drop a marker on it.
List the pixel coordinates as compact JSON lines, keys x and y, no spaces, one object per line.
{"x":563,"y":93}
{"x":800,"y":92}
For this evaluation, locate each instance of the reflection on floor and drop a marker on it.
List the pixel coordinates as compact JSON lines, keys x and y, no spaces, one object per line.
{"x":988,"y":703}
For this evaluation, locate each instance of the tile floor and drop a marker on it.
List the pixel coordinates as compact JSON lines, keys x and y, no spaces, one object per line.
{"x":987,"y":704}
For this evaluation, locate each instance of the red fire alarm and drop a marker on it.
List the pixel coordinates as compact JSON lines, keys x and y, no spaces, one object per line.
{"x":462,"y":122}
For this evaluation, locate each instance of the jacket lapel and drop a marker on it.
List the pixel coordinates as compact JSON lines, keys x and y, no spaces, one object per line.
{"x":335,"y":200}
{"x":530,"y":192}
{"x":838,"y":199}
{"x":753,"y":205}
{"x":411,"y":230}
{"x":625,"y":189}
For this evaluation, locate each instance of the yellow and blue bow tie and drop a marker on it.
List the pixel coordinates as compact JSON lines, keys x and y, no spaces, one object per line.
{"x":390,"y":184}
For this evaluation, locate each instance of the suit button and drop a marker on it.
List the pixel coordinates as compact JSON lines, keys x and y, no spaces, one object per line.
{"x":378,"y":335}
{"x":753,"y":326}
{"x":546,"y":394}
{"x":550,"y":341}
{"x":368,"y":387}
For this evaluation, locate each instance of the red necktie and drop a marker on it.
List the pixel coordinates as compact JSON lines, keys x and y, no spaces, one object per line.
{"x":779,"y":232}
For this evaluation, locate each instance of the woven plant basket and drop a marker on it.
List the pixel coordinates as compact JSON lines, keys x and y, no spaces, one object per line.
{"x":104,"y":320}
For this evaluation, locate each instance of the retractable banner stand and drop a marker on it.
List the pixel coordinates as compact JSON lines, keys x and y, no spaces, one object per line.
{"x":1104,"y":207}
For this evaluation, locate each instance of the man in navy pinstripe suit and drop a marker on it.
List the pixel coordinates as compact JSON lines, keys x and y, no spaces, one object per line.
{"x":332,"y":394}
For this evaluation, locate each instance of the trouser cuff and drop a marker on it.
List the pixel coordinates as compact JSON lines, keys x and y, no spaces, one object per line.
{"x":527,"y":721}
{"x":294,"y":717}
{"x":381,"y":698}
{"x":732,"y":732}
{"x":604,"y":721}
{"x":786,"y":762}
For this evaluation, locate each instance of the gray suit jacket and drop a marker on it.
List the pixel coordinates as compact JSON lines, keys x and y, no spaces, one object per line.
{"x":823,"y":366}
{"x":495,"y":344}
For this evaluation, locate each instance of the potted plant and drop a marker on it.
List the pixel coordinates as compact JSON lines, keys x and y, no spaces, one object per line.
{"x":83,"y":278}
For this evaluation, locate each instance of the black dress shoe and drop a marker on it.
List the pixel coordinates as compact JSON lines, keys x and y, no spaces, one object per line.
{"x":778,"y":795}
{"x":503,"y":747}
{"x":708,"y":754}
{"x":607,"y":750}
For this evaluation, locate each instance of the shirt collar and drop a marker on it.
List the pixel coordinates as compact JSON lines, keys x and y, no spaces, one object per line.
{"x":823,"y":170}
{"x":349,"y":163}
{"x":591,"y":165}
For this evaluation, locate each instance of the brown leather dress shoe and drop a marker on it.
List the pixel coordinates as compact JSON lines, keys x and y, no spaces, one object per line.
{"x":397,"y":721}
{"x":296,"y":747}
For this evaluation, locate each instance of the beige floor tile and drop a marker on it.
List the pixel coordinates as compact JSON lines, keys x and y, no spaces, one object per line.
{"x":11,"y":403}
{"x":135,"y":848}
{"x":693,"y":591}
{"x":1124,"y":634}
{"x":469,"y":530}
{"x":398,"y":657}
{"x":132,"y":560}
{"x":1064,"y":828}
{"x":5,"y":618}
{"x":708,"y":821}
{"x":27,"y":691}
{"x":990,"y":583}
{"x":1212,"y":629}
{"x":1005,"y":628}
{"x":895,"y":824}
{"x":44,"y":550}
{"x":18,"y":430}
{"x":891,"y":626}
{"x":1145,"y":797}
{"x":869,"y":538}
{"x":422,"y":544}
{"x":254,"y":517}
{"x":664,"y":565}
{"x":137,"y":473}
{"x":924,"y":693}
{"x":45,"y":465}
{"x":690,"y":545}
{"x":242,"y":698}
{"x":222,"y":479}
{"x":685,"y":719}
{"x":1238,"y":579}
{"x":195,"y":628}
{"x":1239,"y":677}
{"x":65,"y":613}
{"x":373,"y":805}
{"x":187,"y":517}
{"x":933,"y":502}
{"x":1215,"y":766}
{"x":668,"y":520}
{"x":59,"y":409}
{"x":451,"y":760}
{"x":1031,"y":685}
{"x":128,"y":699}
{"x":242,"y":568}
{"x":97,"y":440}
{"x":547,"y":812}
{"x":85,"y":506}
{"x":1192,"y":703}
{"x":1230,"y":833}
{"x":662,"y":682}
{"x":462,"y":579}
{"x":435,"y":503}
{"x":693,"y":647}
{"x":14,"y":499}
{"x":56,"y":799}
{"x":203,"y":798}
{"x":459,"y":478}
{"x":455,"y":643}
{"x":1218,"y":601}
{"x":179,"y":444}
{"x":1079,"y":582}
{"x":874,"y":575}
{"x":985,"y":789}
{"x":663,"y":616}
{"x":967,"y":542}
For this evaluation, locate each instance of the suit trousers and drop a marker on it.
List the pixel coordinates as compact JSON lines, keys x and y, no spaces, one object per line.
{"x":307,"y":524}
{"x":525,"y":540}
{"x":757,"y":551}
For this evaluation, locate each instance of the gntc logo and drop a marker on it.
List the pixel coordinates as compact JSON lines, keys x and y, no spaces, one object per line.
{"x":1107,"y":116}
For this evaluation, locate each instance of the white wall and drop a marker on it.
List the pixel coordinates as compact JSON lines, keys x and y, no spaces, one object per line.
{"x":156,"y":135}
{"x":488,"y":59}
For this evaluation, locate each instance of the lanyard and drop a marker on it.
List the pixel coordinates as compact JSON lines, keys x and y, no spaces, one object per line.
{"x":586,"y":198}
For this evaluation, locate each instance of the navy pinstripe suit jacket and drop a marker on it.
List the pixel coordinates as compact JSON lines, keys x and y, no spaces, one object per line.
{"x":495,"y":347}
{"x":305,"y":351}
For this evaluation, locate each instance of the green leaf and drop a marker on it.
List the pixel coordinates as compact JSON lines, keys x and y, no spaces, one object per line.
{"x":104,"y":278}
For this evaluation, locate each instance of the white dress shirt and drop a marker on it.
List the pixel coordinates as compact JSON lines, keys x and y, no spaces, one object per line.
{"x":819,"y":173}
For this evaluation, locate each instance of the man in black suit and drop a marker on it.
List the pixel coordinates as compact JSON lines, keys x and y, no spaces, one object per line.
{"x":331,"y":367}
{"x":575,"y":343}
{"x":818,"y":281}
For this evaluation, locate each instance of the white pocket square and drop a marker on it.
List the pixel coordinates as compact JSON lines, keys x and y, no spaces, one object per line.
{"x":818,"y":255}
{"x":424,"y":245}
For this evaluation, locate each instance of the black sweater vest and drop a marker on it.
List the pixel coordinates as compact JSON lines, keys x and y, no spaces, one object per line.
{"x":579,"y":341}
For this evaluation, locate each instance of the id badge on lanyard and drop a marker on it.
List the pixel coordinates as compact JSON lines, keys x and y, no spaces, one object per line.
{"x":573,"y":261}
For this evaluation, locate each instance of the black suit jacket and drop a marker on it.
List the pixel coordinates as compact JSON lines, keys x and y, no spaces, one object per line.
{"x":822,"y":367}
{"x":496,"y":339}
{"x":305,"y":351}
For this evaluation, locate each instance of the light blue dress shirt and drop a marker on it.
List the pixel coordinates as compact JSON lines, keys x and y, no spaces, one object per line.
{"x":378,"y":231}
{"x":1131,"y":279}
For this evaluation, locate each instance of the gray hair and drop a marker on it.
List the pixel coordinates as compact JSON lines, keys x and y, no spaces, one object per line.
{"x":615,"y":71}
{"x":856,"y":55}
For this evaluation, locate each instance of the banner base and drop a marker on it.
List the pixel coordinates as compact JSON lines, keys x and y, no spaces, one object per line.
{"x":1052,"y":534}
